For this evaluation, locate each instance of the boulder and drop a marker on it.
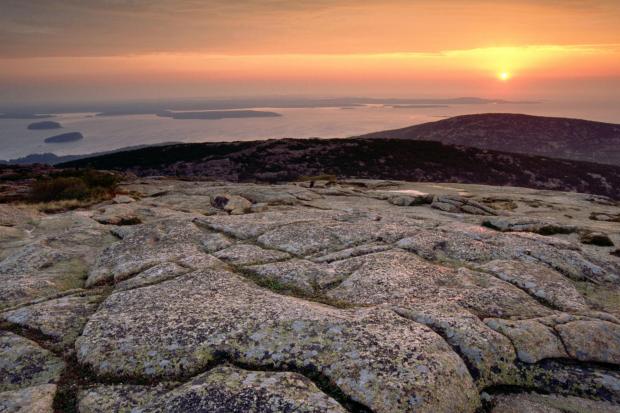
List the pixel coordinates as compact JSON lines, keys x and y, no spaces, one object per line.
{"x":233,"y":204}
{"x":459,"y":204}
{"x":596,"y":238}
{"x":410,"y":200}
{"x":527,"y":224}
{"x":122,"y":199}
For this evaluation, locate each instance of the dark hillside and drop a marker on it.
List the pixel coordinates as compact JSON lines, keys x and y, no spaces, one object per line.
{"x":563,"y":138}
{"x":289,"y":159}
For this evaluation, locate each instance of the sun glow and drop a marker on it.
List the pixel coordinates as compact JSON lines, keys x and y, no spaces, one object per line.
{"x":504,"y":76}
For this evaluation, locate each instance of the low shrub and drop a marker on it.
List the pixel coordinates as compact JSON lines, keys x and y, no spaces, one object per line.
{"x":78,"y":185}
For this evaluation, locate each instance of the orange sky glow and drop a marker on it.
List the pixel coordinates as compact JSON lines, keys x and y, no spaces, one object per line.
{"x":211,"y":48}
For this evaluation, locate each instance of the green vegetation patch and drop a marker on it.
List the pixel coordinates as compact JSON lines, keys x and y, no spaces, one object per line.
{"x":79,"y":184}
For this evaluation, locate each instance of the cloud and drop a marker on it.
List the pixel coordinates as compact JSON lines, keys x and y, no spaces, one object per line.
{"x":38,"y":28}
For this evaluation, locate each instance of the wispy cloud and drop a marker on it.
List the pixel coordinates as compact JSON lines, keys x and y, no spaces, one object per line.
{"x":119,"y":27}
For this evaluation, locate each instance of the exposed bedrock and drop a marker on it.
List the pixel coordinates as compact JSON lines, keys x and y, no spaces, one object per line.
{"x":325,"y":298}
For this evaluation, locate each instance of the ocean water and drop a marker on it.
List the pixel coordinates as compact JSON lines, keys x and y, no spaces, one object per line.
{"x":103,"y":133}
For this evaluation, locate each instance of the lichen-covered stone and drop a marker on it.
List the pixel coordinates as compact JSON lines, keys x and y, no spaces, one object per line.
{"x":55,"y":258}
{"x":592,"y":340}
{"x":455,"y":203}
{"x":153,"y":275}
{"x":477,"y":244}
{"x":23,"y":363}
{"x":353,"y":252}
{"x":229,"y":389}
{"x":548,"y":403}
{"x":145,"y":247}
{"x":539,"y":281}
{"x":117,"y":214}
{"x":422,"y":309}
{"x":59,"y":319}
{"x":488,"y":354}
{"x":528,"y":224}
{"x":119,"y":398}
{"x":532,"y":340}
{"x":308,"y":238}
{"x":374,"y":356}
{"x":400,"y":278}
{"x":233,"y":204}
{"x":302,"y":274}
{"x":35,"y":399}
{"x":200,"y":204}
{"x":248,"y":254}
{"x":123,"y":199}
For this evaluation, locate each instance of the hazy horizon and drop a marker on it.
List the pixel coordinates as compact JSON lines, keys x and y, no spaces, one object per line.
{"x":138,"y":58}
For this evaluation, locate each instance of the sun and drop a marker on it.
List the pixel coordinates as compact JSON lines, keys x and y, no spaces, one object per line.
{"x":504,"y":76}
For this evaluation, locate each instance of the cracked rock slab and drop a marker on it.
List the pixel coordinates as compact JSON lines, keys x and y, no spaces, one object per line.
{"x":118,"y":398}
{"x":539,"y":281}
{"x":591,"y":340}
{"x":488,"y":354}
{"x":176,"y":328}
{"x":153,"y":275}
{"x":533,"y":341}
{"x":59,"y":319}
{"x":543,"y":403}
{"x":476,"y":244}
{"x":23,"y":363}
{"x":402,"y":279}
{"x":426,"y":309}
{"x":302,"y":274}
{"x":252,"y":225}
{"x":229,"y":389}
{"x":248,"y":254}
{"x":35,"y":399}
{"x":456,"y":204}
{"x":527,"y":224}
{"x":144,"y":247}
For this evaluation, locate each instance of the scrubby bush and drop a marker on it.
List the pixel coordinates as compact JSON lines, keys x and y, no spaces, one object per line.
{"x":74,"y":184}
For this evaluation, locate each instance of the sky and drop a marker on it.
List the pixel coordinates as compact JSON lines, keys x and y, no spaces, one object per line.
{"x":65,"y":50}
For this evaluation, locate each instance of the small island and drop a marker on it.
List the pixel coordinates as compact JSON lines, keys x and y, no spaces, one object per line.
{"x":44,"y":125}
{"x":218,"y":114}
{"x":65,"y":137}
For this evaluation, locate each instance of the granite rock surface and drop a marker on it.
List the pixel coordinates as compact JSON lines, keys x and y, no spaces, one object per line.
{"x":359,"y":296}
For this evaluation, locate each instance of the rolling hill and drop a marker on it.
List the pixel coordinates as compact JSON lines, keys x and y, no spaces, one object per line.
{"x":564,"y":138}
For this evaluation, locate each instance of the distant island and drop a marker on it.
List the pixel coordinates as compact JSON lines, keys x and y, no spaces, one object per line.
{"x":219,"y":114}
{"x":418,"y":106}
{"x":46,"y":124}
{"x":52,"y":159}
{"x":65,"y":137}
{"x":24,"y":116}
{"x":153,"y":107}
